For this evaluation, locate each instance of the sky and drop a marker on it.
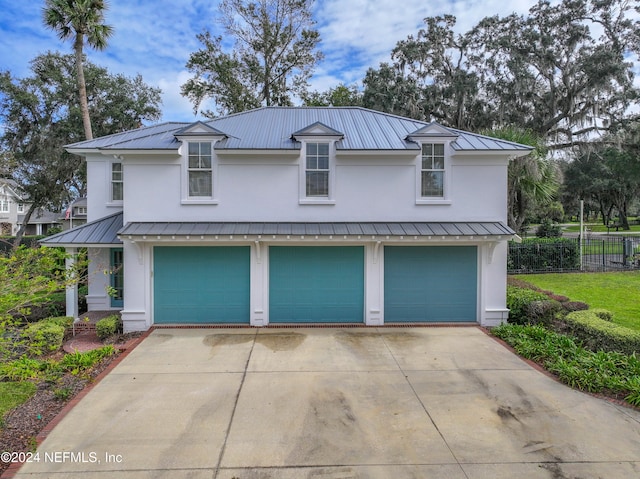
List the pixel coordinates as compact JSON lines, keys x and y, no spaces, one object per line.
{"x":154,"y":38}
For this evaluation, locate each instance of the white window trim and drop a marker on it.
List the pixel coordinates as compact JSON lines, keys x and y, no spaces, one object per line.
{"x":111,"y":202}
{"x":5,"y":205}
{"x":184,"y":151}
{"x":440,"y":200}
{"x":303,"y":199}
{"x":21,"y":208}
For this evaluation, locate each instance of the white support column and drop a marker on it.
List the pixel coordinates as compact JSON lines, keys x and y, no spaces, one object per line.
{"x":259,"y":287}
{"x":72,"y":290}
{"x":374,"y":288}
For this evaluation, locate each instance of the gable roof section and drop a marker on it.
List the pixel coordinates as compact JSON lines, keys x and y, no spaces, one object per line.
{"x":99,"y":233}
{"x":198,"y":129}
{"x":273,"y":128}
{"x":11,"y":188}
{"x":318,"y":129}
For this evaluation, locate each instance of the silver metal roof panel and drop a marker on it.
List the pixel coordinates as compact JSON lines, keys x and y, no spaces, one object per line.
{"x":319,"y":229}
{"x":101,"y":232}
{"x":271,"y":128}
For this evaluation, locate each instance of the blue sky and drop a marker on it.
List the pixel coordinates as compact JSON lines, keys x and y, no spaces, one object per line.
{"x":155,"y":37}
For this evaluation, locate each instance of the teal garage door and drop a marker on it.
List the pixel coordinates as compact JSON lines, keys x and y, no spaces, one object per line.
{"x":430,"y":283}
{"x":315,"y":284}
{"x":201,"y":284}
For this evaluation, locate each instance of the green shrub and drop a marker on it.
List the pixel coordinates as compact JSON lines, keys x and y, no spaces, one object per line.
{"x":547,"y":229}
{"x":599,"y":334}
{"x":543,"y":311}
{"x":108,"y":326}
{"x":64,"y":321}
{"x":43,"y":337}
{"x":603,"y":314}
{"x":543,"y":254}
{"x":518,"y":300}
{"x":574,"y":365}
{"x":571,"y":306}
{"x":21,"y":369}
{"x":78,"y":362}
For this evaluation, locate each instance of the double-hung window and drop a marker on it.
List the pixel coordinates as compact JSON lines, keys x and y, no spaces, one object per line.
{"x":432,"y":171}
{"x":20,"y":208}
{"x":4,"y":206}
{"x":116,"y":181}
{"x":317,"y":170}
{"x":200,"y":172}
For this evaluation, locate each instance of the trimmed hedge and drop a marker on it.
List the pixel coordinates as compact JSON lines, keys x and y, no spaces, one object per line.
{"x":598,"y":334}
{"x":543,"y":254}
{"x":518,"y":301}
{"x":108,"y":326}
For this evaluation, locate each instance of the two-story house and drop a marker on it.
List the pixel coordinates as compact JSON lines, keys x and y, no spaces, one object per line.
{"x":13,"y":207}
{"x":297,"y":215}
{"x":12,"y":204}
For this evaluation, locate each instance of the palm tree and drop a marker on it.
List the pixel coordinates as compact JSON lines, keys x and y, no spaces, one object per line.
{"x":81,"y":20}
{"x":533,"y":179}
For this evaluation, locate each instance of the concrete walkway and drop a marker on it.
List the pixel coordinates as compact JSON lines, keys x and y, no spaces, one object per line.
{"x":335,"y":403}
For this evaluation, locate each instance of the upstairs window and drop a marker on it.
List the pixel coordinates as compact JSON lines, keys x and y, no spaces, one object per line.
{"x":317,"y":170}
{"x":116,"y":182}
{"x":4,"y":205}
{"x":20,"y":207}
{"x":432,"y":170}
{"x":81,"y":210}
{"x":200,"y":173}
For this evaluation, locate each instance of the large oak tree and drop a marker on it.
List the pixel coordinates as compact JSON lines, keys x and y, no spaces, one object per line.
{"x":265,"y":57}
{"x":41,"y":114}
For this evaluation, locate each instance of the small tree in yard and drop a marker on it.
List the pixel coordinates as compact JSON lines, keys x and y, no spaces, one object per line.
{"x":29,"y":276}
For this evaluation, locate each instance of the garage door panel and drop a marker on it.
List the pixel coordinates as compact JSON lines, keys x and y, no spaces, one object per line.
{"x":430,"y":283}
{"x":316,"y":284}
{"x":201,"y":284}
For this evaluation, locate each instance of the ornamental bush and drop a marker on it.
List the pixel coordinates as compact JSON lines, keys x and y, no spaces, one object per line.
{"x":43,"y":337}
{"x":518,"y":301}
{"x":599,"y":334}
{"x":542,"y":312}
{"x":108,"y":326}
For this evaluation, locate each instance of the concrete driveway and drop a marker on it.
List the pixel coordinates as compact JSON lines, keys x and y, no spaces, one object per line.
{"x":335,"y":403}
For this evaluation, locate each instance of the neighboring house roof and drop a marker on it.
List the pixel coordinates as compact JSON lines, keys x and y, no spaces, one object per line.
{"x":102,"y":232}
{"x":40,"y":216}
{"x":79,"y":202}
{"x":408,"y":229}
{"x":12,"y":188}
{"x":273,"y":128}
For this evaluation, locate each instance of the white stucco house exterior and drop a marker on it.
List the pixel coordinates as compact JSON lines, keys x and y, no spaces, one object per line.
{"x":296,"y":215}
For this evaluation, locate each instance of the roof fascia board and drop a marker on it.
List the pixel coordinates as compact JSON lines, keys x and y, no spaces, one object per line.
{"x":251,"y":152}
{"x":508,"y":153}
{"x":403,"y":153}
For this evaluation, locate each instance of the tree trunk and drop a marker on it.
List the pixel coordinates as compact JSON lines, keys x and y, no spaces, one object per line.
{"x":23,"y":226}
{"x":82,"y":87}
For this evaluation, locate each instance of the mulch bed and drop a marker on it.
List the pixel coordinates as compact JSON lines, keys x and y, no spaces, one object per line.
{"x":22,"y":425}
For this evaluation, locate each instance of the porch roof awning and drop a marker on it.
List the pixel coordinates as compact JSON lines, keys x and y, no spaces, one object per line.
{"x":101,"y":233}
{"x":280,"y":230}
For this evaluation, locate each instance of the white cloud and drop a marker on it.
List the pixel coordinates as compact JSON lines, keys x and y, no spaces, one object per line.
{"x":155,"y":38}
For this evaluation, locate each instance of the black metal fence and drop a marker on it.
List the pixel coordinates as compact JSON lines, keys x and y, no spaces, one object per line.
{"x":598,"y":253}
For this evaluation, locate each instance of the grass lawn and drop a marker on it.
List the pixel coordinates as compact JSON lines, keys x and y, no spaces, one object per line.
{"x":12,"y":394}
{"x":618,"y":292}
{"x":600,"y":228}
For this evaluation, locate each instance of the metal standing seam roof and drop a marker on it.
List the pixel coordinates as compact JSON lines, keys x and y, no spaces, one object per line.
{"x":422,"y":229}
{"x":271,"y":128}
{"x":96,"y":233}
